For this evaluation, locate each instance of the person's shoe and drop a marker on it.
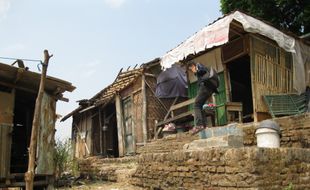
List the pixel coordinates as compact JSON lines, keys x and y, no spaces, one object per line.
{"x":197,"y":129}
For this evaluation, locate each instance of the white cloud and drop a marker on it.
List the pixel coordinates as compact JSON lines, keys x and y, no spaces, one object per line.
{"x":4,"y":8}
{"x":114,"y":3}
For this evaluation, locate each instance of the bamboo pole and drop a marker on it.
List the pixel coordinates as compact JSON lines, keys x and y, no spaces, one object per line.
{"x":29,"y":175}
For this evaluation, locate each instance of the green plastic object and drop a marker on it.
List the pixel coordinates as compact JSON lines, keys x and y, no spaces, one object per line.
{"x":285,"y":104}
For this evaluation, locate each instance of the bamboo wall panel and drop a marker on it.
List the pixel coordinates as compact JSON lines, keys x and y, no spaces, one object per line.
{"x":271,"y":74}
{"x":154,"y":109}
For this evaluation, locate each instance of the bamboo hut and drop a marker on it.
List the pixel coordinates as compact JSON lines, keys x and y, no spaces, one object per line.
{"x":18,"y":92}
{"x":119,"y":118}
{"x":254,"y":60}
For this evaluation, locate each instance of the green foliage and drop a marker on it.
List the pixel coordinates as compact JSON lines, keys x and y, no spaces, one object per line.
{"x":292,"y":15}
{"x":64,"y":161}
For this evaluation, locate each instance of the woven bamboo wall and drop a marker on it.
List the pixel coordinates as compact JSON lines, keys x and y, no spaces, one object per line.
{"x":272,"y":72}
{"x":155,"y":110}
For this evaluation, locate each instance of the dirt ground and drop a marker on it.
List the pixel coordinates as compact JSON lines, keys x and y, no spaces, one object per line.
{"x":104,"y":186}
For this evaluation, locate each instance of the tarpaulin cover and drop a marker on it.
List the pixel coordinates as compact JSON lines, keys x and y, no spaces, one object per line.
{"x":172,"y":83}
{"x":217,"y":34}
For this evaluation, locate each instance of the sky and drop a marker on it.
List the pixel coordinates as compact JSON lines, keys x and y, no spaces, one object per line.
{"x":91,"y":40}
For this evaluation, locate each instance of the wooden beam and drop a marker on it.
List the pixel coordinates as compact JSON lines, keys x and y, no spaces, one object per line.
{"x":144,"y":110}
{"x":150,"y":75}
{"x":120,"y":126}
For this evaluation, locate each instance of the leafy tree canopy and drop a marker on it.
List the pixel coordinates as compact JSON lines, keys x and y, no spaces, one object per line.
{"x":292,"y":15}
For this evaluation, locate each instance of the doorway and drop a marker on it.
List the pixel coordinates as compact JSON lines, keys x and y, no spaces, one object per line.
{"x":23,"y":116}
{"x":240,"y":84}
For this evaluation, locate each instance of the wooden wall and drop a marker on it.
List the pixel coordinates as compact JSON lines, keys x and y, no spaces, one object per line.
{"x":137,"y":109}
{"x":83,"y":138}
{"x":6,"y":127}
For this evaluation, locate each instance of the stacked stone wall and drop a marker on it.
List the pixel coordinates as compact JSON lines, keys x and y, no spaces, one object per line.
{"x":295,"y":131}
{"x":223,"y":168}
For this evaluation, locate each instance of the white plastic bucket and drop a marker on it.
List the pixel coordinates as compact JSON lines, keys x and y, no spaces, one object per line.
{"x":268,"y":138}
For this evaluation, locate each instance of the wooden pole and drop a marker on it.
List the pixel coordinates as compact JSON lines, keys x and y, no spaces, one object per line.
{"x":100,"y":131}
{"x":120,"y":126}
{"x":144,"y":110}
{"x":29,"y":175}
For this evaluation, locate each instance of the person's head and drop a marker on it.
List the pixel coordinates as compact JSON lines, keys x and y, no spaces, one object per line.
{"x":192,"y":66}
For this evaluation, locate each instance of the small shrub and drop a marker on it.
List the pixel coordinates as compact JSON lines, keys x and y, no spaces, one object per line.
{"x":63,"y":158}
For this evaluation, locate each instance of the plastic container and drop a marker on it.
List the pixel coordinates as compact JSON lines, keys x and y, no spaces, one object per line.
{"x":268,"y":134}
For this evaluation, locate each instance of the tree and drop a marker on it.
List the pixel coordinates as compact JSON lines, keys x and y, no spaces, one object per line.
{"x":292,"y":15}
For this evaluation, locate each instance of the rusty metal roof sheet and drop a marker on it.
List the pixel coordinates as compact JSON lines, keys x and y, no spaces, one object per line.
{"x":15,"y":77}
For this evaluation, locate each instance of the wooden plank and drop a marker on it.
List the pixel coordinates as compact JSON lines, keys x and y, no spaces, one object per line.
{"x":182,"y":104}
{"x":6,"y":127}
{"x":188,"y":113}
{"x":46,"y":142}
{"x":252,"y":68}
{"x":120,"y":127}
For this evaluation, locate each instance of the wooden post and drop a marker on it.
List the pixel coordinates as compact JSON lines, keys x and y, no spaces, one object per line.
{"x":120,"y":126}
{"x":144,"y":110}
{"x":104,"y":134}
{"x":100,"y":131}
{"x":29,"y":175}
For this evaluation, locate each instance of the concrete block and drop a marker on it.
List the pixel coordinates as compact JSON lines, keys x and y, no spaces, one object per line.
{"x":229,"y":141}
{"x":230,"y":129}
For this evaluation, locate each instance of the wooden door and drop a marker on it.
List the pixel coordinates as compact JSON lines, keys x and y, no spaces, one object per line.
{"x":128,"y":125}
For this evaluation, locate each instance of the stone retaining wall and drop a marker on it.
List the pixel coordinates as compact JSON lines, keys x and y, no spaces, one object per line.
{"x":223,"y":168}
{"x":295,"y":131}
{"x":170,"y":143}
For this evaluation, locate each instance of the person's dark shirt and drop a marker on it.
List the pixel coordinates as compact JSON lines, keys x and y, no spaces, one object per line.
{"x":203,"y":76}
{"x":202,"y":72}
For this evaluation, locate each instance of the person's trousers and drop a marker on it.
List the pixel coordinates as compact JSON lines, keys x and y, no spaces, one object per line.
{"x":203,"y":95}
